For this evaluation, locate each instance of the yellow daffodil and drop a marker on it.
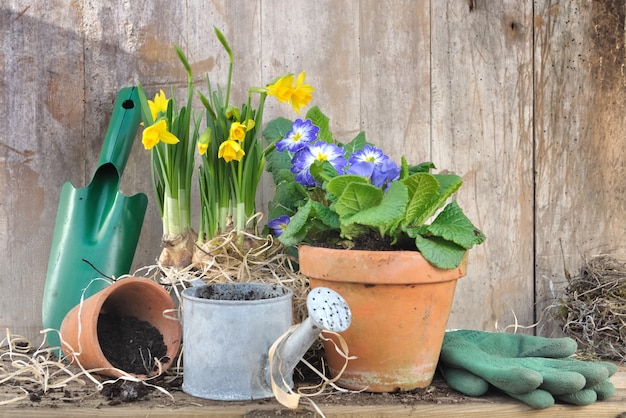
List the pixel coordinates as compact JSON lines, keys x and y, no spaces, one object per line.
{"x":302,"y":93}
{"x":230,"y":150}
{"x":155,"y":133}
{"x":282,"y":89}
{"x":159,"y":104}
{"x":204,"y":141}
{"x":238,"y":130}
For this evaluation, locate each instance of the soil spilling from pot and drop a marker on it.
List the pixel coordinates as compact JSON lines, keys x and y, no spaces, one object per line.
{"x":130,"y":344}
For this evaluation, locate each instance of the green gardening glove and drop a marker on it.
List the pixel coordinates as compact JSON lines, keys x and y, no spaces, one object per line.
{"x":534,"y":370}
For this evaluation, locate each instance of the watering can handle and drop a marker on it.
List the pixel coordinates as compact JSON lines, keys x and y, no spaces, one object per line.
{"x":122,"y":128}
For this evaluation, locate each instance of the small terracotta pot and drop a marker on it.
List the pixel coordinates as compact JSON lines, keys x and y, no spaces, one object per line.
{"x":400,"y":306}
{"x":138,"y":297}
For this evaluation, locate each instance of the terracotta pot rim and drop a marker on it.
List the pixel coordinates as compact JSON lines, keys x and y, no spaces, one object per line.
{"x":384,"y":267}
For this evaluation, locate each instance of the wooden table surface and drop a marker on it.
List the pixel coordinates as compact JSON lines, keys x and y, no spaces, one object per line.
{"x":492,"y":405}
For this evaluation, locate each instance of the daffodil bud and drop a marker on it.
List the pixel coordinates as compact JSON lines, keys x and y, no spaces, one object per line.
{"x":233,"y":113}
{"x":204,"y":141}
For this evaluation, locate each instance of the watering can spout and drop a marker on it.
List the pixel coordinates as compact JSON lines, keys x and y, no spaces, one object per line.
{"x":327,"y":311}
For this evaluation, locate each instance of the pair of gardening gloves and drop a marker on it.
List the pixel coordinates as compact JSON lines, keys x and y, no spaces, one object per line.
{"x":534,"y":370}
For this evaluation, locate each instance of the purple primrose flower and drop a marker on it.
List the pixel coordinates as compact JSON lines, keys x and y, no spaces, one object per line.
{"x":319,"y":151}
{"x":301,"y":133}
{"x":278,"y":225}
{"x":372,"y":163}
{"x":385,"y":173}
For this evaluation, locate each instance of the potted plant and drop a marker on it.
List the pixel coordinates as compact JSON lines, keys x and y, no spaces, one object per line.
{"x":383,"y":235}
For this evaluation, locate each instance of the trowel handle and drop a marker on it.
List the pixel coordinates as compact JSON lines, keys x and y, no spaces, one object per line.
{"x":122,"y":128}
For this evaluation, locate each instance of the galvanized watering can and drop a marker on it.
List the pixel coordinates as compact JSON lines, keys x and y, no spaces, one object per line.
{"x":228,"y":329}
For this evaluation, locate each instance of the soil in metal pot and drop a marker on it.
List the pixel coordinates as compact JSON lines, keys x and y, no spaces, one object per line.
{"x":130,"y":344}
{"x":210,"y":292}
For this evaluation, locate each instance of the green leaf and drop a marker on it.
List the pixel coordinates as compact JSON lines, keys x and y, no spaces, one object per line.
{"x":448,"y":184}
{"x":385,"y":214}
{"x":325,"y":215}
{"x":298,"y":226}
{"x":452,"y":225}
{"x":279,"y":164}
{"x":338,"y":184}
{"x":352,"y":230}
{"x":321,"y":121}
{"x":422,"y":189}
{"x":421,"y":168}
{"x":287,"y":198}
{"x":357,"y":197}
{"x":276,"y":129}
{"x":356,"y":144}
{"x":439,"y":252}
{"x":323,"y":171}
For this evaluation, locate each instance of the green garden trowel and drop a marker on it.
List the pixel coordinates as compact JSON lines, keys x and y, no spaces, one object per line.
{"x":97,"y":228}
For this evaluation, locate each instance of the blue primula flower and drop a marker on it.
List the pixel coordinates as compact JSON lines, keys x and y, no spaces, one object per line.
{"x":369,"y":154}
{"x":301,"y":133}
{"x":319,"y":151}
{"x":361,"y":168}
{"x":385,"y":173}
{"x":278,"y":225}
{"x":372,"y":163}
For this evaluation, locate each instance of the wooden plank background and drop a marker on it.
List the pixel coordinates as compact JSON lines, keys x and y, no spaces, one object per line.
{"x":522,"y":98}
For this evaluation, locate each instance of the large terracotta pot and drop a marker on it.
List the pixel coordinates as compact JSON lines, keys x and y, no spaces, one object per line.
{"x":141,"y":298}
{"x":400,"y":306}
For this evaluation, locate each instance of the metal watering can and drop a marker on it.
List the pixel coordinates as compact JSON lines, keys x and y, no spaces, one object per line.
{"x":228,"y":329}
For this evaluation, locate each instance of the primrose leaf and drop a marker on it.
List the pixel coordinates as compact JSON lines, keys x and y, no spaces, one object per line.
{"x":439,"y":252}
{"x":287,"y":198}
{"x":338,"y":184}
{"x":323,"y":171}
{"x":448,"y":184}
{"x":387,"y":213}
{"x":356,"y":144}
{"x":277,"y":129}
{"x":321,"y":121}
{"x":357,"y":197}
{"x":298,"y":226}
{"x":452,"y":225}
{"x":325,"y":215}
{"x":421,"y":168}
{"x":279,"y":164}
{"x":422,"y":189}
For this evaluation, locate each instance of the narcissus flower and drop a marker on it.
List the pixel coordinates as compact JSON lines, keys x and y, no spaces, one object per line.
{"x":282,"y":89}
{"x":299,"y":95}
{"x":302,"y":94}
{"x":238,"y":130}
{"x":230,"y":150}
{"x":158,"y":105}
{"x":157,"y":132}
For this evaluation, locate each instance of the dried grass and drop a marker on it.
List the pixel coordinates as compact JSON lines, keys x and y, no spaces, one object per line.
{"x":240,"y":258}
{"x":593,"y":309}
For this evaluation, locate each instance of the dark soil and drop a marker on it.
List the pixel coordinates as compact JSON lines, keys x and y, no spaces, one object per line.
{"x":370,"y":242}
{"x":214,"y":292}
{"x":130,"y":344}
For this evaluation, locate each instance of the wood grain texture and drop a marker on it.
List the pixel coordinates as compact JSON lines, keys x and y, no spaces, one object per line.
{"x":523,"y":99}
{"x":580,"y":153}
{"x":482,"y":129}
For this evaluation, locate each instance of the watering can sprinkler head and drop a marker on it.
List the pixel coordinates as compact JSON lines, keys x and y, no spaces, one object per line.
{"x":327,"y":311}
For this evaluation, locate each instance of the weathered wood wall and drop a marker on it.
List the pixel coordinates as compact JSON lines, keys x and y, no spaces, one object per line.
{"x":523,"y":98}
